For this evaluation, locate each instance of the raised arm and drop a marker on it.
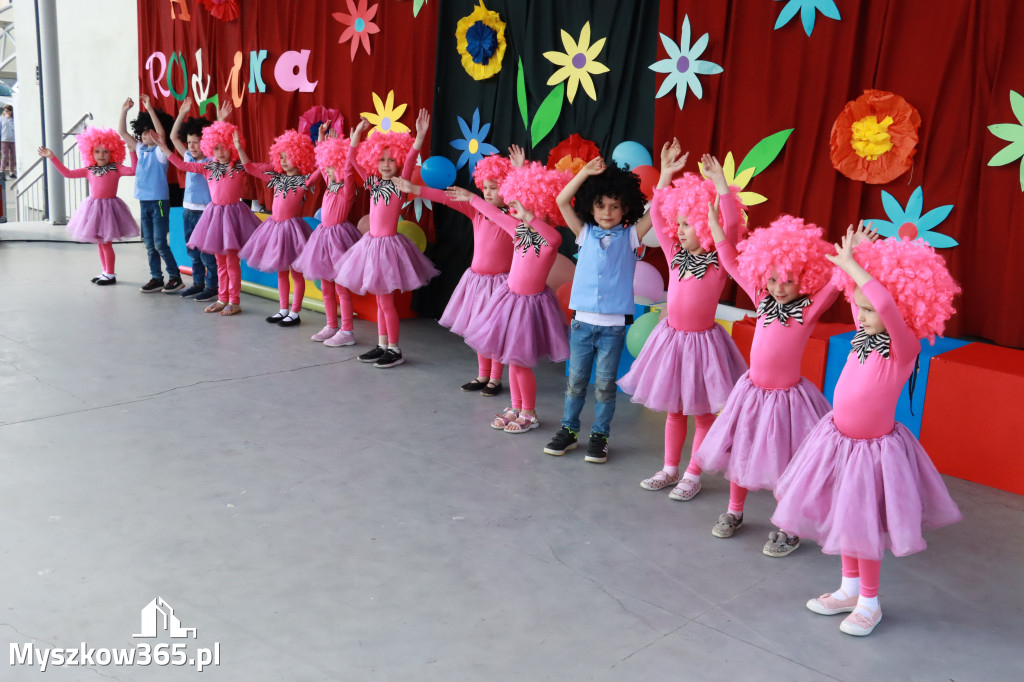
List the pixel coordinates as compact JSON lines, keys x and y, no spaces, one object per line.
{"x":422,"y":126}
{"x":129,"y":170}
{"x":595,"y":166}
{"x":61,"y":168}
{"x":354,"y":136}
{"x":179,"y":146}
{"x":122,"y":124}
{"x":158,"y":126}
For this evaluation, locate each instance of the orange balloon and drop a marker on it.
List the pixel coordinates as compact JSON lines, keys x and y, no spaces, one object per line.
{"x":563,"y":293}
{"x":364,"y":224}
{"x":561,"y":272}
{"x":648,"y":179}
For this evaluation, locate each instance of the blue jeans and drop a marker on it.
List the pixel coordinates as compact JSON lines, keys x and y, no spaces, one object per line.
{"x":204,"y":265}
{"x":155,"y":228}
{"x":587,"y":344}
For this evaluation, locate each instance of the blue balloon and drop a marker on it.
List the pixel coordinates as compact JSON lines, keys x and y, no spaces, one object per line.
{"x":438,"y":172}
{"x":631,"y":155}
{"x":317,"y":214}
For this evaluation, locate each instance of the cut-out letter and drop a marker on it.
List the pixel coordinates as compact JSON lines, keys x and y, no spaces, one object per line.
{"x":290,"y":72}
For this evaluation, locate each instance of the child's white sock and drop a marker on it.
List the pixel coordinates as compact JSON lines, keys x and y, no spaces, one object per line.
{"x":691,"y":477}
{"x":866,"y":606}
{"x":291,"y":316}
{"x":394,"y":347}
{"x":849,"y":588}
{"x":283,"y":312}
{"x":671,"y":471}
{"x":382,"y":341}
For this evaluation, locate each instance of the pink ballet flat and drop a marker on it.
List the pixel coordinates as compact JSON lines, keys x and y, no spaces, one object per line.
{"x":859,"y":625}
{"x":827,"y":605}
{"x":685,"y":491}
{"x":660,"y":480}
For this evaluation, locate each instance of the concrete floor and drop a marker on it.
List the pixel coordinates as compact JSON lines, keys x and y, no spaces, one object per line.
{"x":324,"y":520}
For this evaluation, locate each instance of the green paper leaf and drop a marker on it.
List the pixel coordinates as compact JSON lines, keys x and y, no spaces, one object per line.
{"x":1011,"y":132}
{"x":1007,"y":154}
{"x":521,"y":95}
{"x":547,"y":114}
{"x":764,"y":152}
{"x":417,"y":5}
{"x":1017,"y":104}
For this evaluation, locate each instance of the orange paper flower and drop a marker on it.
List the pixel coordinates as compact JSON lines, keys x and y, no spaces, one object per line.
{"x":572,"y":153}
{"x":875,"y":137}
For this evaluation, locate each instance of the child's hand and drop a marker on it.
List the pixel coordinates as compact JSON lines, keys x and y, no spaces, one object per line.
{"x":144,"y":101}
{"x":459,"y":194}
{"x":672,"y":158}
{"x":223,"y":111}
{"x":236,"y":139}
{"x":844,"y":250}
{"x":360,"y":128}
{"x":128,"y":104}
{"x":422,"y":123}
{"x":186,"y":107}
{"x":863,"y":233}
{"x":322,"y":134}
{"x":517,"y":156}
{"x":712,"y":168}
{"x":45,"y":153}
{"x":595,"y":166}
{"x":713,"y":216}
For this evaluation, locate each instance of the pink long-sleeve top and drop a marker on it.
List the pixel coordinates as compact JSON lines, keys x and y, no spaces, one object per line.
{"x":528,"y":273}
{"x":492,"y":246}
{"x":384,"y":212}
{"x":338,"y":196}
{"x":776,"y":350}
{"x":692,"y":302}
{"x":289,"y":190}
{"x":102,"y":182}
{"x":226,"y":181}
{"x":866,"y":394}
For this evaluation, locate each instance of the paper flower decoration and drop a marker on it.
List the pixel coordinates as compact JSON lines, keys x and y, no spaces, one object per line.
{"x":316,"y":116}
{"x":874,"y":138}
{"x":909,"y":224}
{"x":480,"y":39}
{"x":577,"y":62}
{"x":682,"y":65}
{"x":386,"y":115}
{"x":808,"y":12}
{"x":572,"y":153}
{"x":417,"y":202}
{"x":1012,"y":133}
{"x":358,"y":26}
{"x":739,"y":180}
{"x":225,"y":10}
{"x":471,"y":145}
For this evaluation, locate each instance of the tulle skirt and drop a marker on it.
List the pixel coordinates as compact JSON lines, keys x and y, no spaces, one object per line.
{"x":520,"y":330}
{"x":323,"y":252}
{"x":469,"y":299}
{"x":223,"y":228}
{"x":688,"y":372}
{"x":380,"y":265}
{"x":858,"y":497}
{"x":759,"y":431}
{"x":102,"y":220}
{"x":276,"y":244}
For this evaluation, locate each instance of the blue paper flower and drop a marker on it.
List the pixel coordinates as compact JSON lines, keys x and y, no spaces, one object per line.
{"x":909,"y":223}
{"x":682,"y":65}
{"x":807,"y":9}
{"x":481,"y":42}
{"x":472,"y":146}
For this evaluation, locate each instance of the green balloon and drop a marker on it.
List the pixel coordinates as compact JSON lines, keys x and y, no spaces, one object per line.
{"x":637,"y":335}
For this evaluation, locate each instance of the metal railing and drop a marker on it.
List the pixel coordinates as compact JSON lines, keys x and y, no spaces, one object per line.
{"x":28,"y":187}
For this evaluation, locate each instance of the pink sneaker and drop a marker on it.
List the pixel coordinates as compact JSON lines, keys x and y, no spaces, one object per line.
{"x":324,"y":334}
{"x":827,"y":605}
{"x":341,"y":338}
{"x":859,"y":625}
{"x":685,"y":491}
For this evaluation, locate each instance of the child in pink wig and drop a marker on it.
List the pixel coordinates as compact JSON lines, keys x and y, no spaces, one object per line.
{"x":227,"y":223}
{"x":279,"y":240}
{"x":383,"y":261}
{"x":860,"y":482}
{"x":492,"y":259}
{"x":689,"y":364}
{"x":772,"y":408}
{"x":335,"y":235}
{"x":102,"y":217}
{"x":523,"y":323}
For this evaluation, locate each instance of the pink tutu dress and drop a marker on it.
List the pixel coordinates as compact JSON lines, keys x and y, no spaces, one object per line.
{"x":102,"y":217}
{"x":279,"y":239}
{"x":226,"y":223}
{"x":335,"y":235}
{"x":861,"y":483}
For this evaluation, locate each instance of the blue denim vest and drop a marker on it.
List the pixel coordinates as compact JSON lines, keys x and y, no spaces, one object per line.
{"x":197,"y":190}
{"x":150,"y":175}
{"x":603,"y":282}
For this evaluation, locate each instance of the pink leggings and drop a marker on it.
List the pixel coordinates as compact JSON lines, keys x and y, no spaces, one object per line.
{"x":229,"y":277}
{"x":107,"y":257}
{"x":282,"y":289}
{"x":675,"y":438}
{"x":491,"y":369}
{"x":868,"y":570}
{"x":524,"y":387}
{"x":387,"y":317}
{"x":334,"y":294}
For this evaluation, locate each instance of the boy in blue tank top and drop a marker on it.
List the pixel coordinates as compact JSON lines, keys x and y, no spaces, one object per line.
{"x":608,"y":221}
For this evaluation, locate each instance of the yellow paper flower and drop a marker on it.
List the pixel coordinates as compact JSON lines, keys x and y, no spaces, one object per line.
{"x":748,"y":199}
{"x":577,"y":62}
{"x":480,"y":39}
{"x":385,"y":118}
{"x":871,"y":137}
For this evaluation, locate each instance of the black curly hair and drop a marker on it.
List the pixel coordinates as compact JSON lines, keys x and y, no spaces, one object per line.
{"x":614,"y":183}
{"x":144,"y":122}
{"x":193,"y":125}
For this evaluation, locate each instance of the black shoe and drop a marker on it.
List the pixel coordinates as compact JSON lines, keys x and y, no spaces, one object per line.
{"x":474,"y":385}
{"x":563,"y":441}
{"x":106,"y":281}
{"x":491,"y":389}
{"x":390,"y":358}
{"x":96,"y":279}
{"x":597,"y":449}
{"x":174,"y":284}
{"x":152,"y":286}
{"x":372,"y":355}
{"x":205,"y":295}
{"x":289,"y":321}
{"x":14,"y":175}
{"x":275,"y":318}
{"x":193,"y":290}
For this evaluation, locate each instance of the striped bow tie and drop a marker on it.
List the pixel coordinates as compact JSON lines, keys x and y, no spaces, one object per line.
{"x":381,"y":189}
{"x":100,"y":171}
{"x":283,"y":184}
{"x":863,"y":343}
{"x":695,"y":264}
{"x":525,"y":238}
{"x":219,"y":170}
{"x":773,"y":310}
{"x":333,"y":187}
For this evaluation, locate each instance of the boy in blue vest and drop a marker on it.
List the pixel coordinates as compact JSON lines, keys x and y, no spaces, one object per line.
{"x":608,"y":221}
{"x":153,"y":194}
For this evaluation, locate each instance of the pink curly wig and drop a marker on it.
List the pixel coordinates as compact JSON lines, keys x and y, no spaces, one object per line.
{"x":914,"y":275}
{"x":370,"y":150}
{"x":536,"y":187}
{"x":298,"y":148}
{"x":219,"y":132}
{"x":792,"y":248}
{"x":96,"y":136}
{"x":494,"y":168}
{"x":690,"y":195}
{"x":333,"y":153}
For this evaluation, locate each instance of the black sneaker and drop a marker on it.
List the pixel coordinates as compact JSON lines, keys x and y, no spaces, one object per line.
{"x":372,"y":355}
{"x":597,"y":449}
{"x":152,"y":286}
{"x":205,"y":295}
{"x":106,"y":281}
{"x":389,"y":358}
{"x":563,"y":441}
{"x":174,"y":284}
{"x":193,"y":290}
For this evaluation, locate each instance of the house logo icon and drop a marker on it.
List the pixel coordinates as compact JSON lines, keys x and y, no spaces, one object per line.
{"x":159,"y":615}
